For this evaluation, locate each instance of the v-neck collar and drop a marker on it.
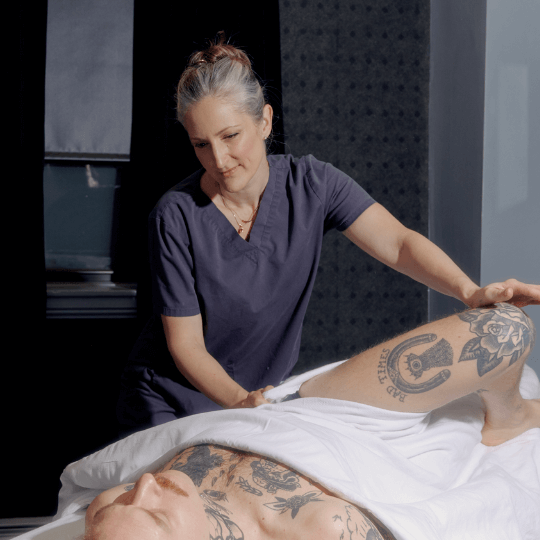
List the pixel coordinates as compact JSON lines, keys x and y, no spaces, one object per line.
{"x":227,"y":230}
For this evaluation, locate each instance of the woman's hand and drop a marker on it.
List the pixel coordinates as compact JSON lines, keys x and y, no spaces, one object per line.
{"x":253,"y":399}
{"x":185,"y":340}
{"x":511,"y":291}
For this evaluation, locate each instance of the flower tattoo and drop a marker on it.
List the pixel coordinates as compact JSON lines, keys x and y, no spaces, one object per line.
{"x":504,"y":332}
{"x":294,"y":503}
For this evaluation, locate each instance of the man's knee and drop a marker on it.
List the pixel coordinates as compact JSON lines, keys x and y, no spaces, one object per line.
{"x":501,"y":332}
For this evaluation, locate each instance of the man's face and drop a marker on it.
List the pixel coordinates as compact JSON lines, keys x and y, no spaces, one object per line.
{"x":164,"y":506}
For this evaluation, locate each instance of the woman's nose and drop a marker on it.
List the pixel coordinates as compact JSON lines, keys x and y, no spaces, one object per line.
{"x":220,"y":156}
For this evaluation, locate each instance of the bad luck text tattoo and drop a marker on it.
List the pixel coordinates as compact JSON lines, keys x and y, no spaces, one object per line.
{"x":393,"y":362}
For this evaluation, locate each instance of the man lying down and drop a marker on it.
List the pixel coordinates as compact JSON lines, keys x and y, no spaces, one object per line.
{"x":374,"y":465}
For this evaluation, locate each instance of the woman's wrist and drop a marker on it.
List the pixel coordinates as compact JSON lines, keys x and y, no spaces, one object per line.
{"x":466,"y":290}
{"x":235,"y":399}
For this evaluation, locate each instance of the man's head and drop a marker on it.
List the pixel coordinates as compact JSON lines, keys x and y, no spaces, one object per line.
{"x":163,"y":506}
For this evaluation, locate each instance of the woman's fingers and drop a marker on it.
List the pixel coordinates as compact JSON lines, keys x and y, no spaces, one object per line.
{"x":511,"y":291}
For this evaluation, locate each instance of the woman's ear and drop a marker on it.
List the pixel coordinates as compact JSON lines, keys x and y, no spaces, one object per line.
{"x":268,"y":114}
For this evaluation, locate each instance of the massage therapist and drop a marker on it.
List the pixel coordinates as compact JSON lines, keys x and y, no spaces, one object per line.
{"x":235,"y":248}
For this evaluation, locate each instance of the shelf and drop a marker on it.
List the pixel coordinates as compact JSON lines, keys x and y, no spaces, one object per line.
{"x":91,"y":300}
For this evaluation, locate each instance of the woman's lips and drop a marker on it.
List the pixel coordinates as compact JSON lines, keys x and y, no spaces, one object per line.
{"x":228,"y":173}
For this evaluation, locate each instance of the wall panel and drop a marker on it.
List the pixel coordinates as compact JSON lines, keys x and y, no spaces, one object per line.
{"x":355,"y":78}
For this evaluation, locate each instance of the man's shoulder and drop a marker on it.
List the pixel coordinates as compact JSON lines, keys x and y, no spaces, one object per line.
{"x":341,"y":519}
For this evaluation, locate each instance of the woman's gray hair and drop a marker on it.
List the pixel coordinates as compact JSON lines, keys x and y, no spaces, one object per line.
{"x":224,"y":72}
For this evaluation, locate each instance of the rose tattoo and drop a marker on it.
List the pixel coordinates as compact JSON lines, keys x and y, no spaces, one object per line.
{"x":501,"y":333}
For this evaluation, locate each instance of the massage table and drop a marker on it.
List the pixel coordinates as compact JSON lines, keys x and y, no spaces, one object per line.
{"x":427,"y":476}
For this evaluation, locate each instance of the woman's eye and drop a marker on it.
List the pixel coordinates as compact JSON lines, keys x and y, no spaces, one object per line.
{"x":231,"y":136}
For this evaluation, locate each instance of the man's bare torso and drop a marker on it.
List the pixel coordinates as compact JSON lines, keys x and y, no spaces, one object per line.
{"x":248,"y":496}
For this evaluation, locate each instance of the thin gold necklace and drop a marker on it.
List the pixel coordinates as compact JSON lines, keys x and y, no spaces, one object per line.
{"x":236,"y":218}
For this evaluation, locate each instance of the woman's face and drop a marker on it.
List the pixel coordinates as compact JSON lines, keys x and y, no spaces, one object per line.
{"x":164,"y":506}
{"x":229,"y":144}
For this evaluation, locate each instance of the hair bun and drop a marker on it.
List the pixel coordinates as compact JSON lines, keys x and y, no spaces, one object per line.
{"x":217,"y":51}
{"x":224,"y":72}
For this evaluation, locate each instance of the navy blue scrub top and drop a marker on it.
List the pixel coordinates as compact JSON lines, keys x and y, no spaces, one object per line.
{"x":252,"y":295}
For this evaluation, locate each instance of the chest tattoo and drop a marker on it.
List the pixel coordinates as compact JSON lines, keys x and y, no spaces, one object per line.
{"x":294,"y":503}
{"x":199,"y":464}
{"x":272,"y":478}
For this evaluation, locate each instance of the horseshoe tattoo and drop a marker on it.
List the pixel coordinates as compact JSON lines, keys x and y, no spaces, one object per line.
{"x":439,"y":354}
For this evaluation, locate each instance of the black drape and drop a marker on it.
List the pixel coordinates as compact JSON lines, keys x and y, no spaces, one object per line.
{"x":25,"y":400}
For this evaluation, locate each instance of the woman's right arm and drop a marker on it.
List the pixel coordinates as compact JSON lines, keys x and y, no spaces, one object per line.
{"x":185,"y":341}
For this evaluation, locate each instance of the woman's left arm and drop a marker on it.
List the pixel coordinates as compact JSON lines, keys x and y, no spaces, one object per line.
{"x":383,"y":237}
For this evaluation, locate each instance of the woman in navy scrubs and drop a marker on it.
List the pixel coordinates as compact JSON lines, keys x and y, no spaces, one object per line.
{"x":235,"y":248}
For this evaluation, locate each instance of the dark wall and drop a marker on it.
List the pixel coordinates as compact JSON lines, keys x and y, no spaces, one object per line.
{"x":355,"y":79}
{"x":456,"y":137}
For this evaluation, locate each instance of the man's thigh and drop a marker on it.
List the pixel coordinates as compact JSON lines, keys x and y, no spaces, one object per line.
{"x":433,"y":364}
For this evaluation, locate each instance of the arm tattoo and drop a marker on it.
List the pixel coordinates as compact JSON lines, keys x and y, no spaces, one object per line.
{"x":199,"y":464}
{"x":438,"y":355}
{"x":500,"y":332}
{"x":271,"y":477}
{"x":294,"y":503}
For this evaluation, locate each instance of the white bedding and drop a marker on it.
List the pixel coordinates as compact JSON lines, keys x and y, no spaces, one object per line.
{"x":434,"y":479}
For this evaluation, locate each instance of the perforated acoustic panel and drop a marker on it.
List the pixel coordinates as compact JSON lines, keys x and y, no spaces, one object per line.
{"x":355,"y":78}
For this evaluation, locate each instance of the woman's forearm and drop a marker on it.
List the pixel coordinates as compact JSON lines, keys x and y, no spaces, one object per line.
{"x":423,"y":261}
{"x":204,"y":372}
{"x":186,"y":345}
{"x":381,"y":235}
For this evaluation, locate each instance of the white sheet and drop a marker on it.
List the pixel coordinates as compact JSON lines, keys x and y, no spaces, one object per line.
{"x":434,"y":480}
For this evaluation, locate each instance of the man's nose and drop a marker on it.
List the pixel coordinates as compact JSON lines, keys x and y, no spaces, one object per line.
{"x":145,"y":488}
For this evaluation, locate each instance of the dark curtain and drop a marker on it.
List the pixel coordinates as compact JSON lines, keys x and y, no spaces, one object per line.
{"x":25,"y":397}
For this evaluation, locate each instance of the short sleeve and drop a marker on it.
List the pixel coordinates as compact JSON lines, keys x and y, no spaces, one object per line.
{"x":343,"y":198}
{"x":171,"y":261}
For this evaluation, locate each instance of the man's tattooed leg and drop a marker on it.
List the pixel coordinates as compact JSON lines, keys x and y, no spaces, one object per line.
{"x":432,"y":365}
{"x":502,"y":333}
{"x":438,"y":355}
